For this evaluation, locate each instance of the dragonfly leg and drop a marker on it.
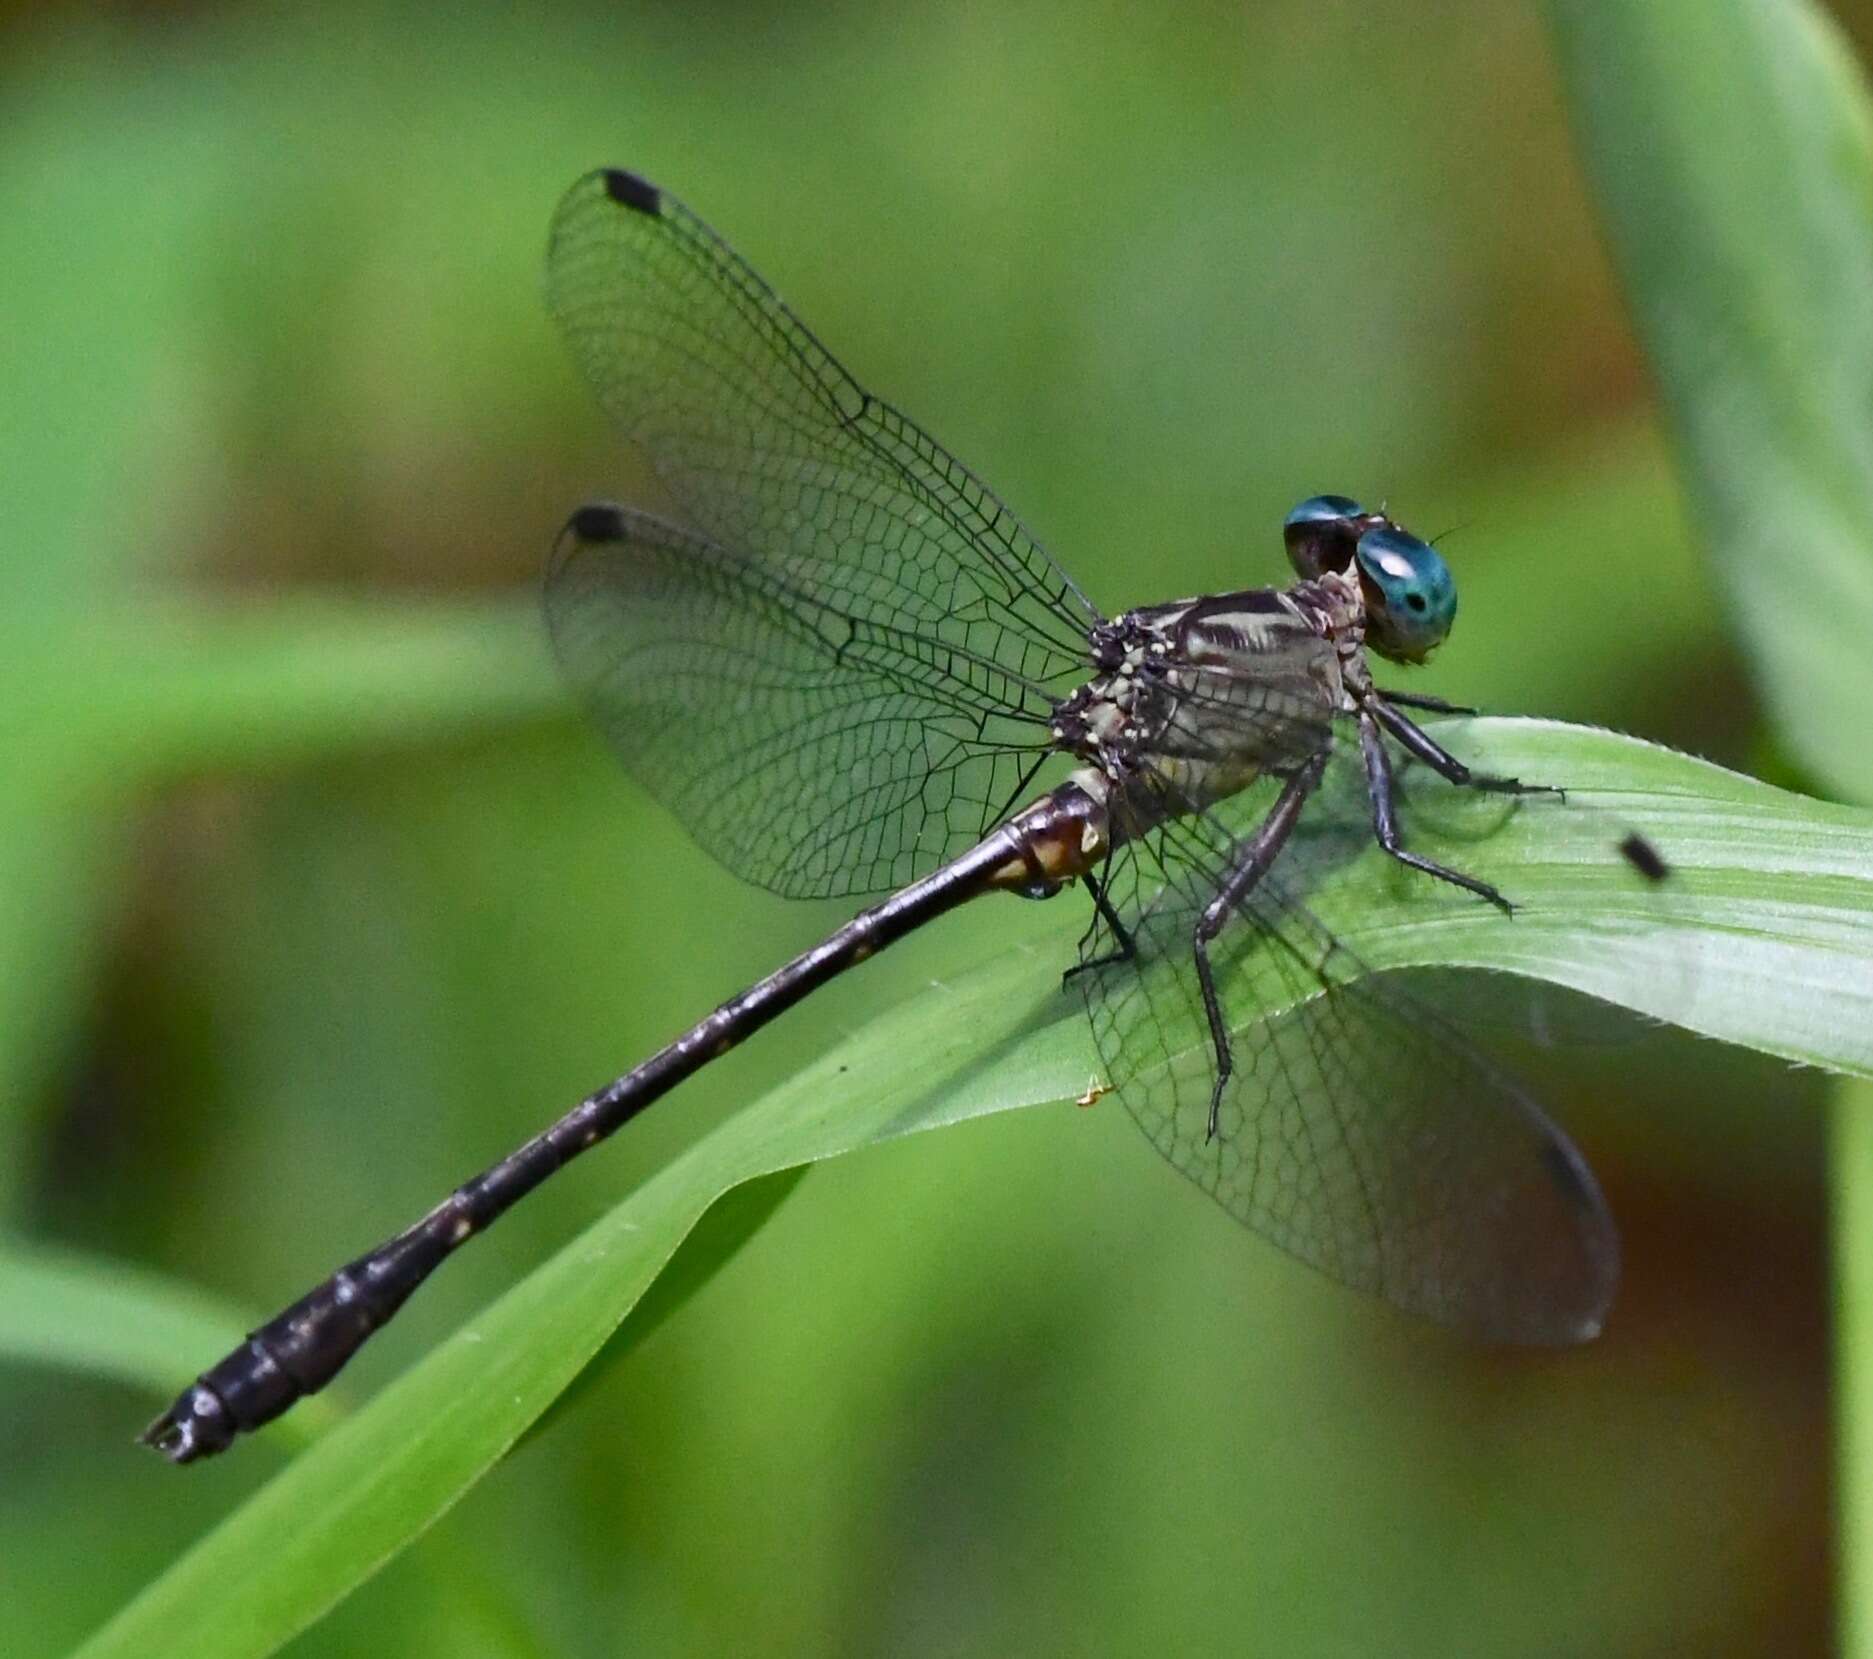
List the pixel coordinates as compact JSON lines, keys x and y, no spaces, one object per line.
{"x":1253,"y":858}
{"x":1422,"y":700}
{"x":1440,"y":759}
{"x":1385,"y":821}
{"x":1103,"y":911}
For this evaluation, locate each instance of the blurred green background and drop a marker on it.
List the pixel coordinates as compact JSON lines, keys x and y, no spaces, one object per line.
{"x":315,"y":895}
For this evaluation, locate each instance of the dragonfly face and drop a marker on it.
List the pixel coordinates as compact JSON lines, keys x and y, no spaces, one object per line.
{"x":1409,"y":595}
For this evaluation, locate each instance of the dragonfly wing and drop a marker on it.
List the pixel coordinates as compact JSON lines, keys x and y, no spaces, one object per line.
{"x":810,"y":749}
{"x":887,"y":585}
{"x":778,"y":454}
{"x":1358,"y":1131}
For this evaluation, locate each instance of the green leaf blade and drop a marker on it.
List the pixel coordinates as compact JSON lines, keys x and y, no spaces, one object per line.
{"x":1730,"y":151}
{"x":1006,"y":1036}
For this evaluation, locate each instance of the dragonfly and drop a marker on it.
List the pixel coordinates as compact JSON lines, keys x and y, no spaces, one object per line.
{"x":844,"y":667}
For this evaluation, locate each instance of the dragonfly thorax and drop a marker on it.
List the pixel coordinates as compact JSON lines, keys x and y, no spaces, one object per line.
{"x":1199,"y":697}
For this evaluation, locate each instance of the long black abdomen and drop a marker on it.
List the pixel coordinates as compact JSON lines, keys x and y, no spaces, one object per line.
{"x":300,"y":1350}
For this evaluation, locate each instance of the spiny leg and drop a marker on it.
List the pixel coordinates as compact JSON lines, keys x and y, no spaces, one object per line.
{"x":1252,"y":862}
{"x":1637,"y":851}
{"x":1440,"y":759}
{"x":1385,"y":820}
{"x":1423,"y":700}
{"x":1103,"y":911}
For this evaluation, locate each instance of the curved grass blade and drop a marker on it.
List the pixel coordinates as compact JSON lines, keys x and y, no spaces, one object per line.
{"x":1729,"y":146}
{"x":1779,"y":900}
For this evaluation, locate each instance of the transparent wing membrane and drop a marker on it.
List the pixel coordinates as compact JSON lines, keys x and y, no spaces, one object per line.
{"x":811,"y":750}
{"x":831,"y":511}
{"x":1359,"y":1131}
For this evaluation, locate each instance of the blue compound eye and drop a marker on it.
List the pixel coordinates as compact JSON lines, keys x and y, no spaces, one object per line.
{"x":1411,"y":597}
{"x":1321,"y":533}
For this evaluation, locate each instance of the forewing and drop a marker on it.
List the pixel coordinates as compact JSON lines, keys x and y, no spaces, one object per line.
{"x":1358,"y":1130}
{"x":778,"y":455}
{"x":811,"y":749}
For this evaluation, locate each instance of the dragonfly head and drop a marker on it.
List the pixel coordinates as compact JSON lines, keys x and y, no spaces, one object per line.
{"x":1410,"y":595}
